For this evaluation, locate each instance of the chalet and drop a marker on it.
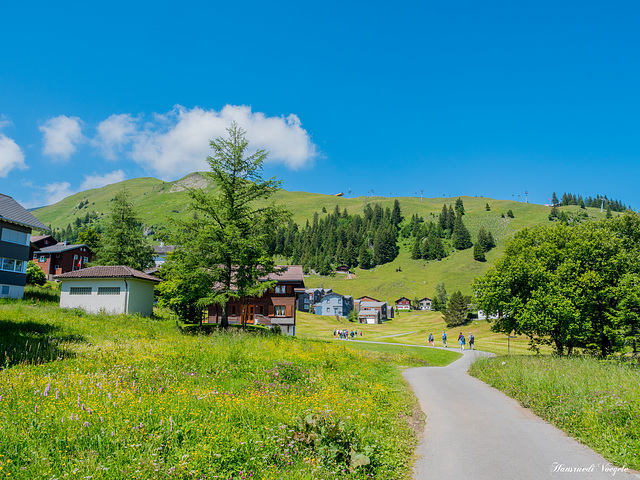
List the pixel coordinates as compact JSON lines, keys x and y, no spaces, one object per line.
{"x":275,"y":308}
{"x":310,"y":297}
{"x":112,"y":289}
{"x":334,"y":304}
{"x":370,"y":305}
{"x":15,"y":240}
{"x":403,"y":303}
{"x":343,"y":269}
{"x":62,"y":258}
{"x":424,"y":304}
{"x":41,"y":241}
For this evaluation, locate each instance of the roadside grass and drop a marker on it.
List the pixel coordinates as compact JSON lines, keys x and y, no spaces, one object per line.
{"x":133,"y":397}
{"x":594,"y":401}
{"x":413,"y":329}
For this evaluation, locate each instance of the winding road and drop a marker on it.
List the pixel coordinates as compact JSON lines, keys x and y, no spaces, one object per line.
{"x":475,"y":431}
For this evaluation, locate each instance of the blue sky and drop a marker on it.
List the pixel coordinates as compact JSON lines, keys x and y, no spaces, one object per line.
{"x":453,"y":98}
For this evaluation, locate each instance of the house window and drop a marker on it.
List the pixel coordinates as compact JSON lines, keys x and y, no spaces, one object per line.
{"x":279,"y":310}
{"x":12,"y":265}
{"x":75,"y":257}
{"x":57,"y":255}
{"x":14,"y":236}
{"x":108,"y":290}
{"x":261,"y":308}
{"x":80,"y":291}
{"x":85,"y":259}
{"x":42,"y":258}
{"x":5,"y":290}
{"x":57,"y":267}
{"x":233,"y":310}
{"x":35,"y":255}
{"x":281,"y":289}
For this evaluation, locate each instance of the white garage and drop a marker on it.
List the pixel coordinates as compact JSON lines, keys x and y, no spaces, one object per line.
{"x":109,"y":289}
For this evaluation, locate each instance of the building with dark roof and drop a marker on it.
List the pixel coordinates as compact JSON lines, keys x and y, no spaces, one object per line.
{"x":110,"y":289}
{"x":16,"y":224}
{"x":61,"y":258}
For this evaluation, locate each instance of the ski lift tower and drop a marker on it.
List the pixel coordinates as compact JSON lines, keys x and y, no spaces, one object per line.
{"x":526,"y":197}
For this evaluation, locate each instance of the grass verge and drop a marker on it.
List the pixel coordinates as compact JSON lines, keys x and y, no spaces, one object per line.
{"x":596,"y":402}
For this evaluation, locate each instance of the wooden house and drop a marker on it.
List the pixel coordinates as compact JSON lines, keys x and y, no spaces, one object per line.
{"x":403,"y":303}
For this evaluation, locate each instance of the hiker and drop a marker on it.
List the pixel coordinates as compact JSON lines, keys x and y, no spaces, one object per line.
{"x":444,"y":339}
{"x":461,"y":341}
{"x":351,"y":334}
{"x":431,"y":340}
{"x":472,"y":341}
{"x":335,"y":330}
{"x":356,"y":334}
{"x":360,"y":333}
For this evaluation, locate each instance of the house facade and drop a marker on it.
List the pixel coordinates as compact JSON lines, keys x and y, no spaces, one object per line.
{"x":334,"y":304}
{"x":61,"y":258}
{"x":424,"y":304}
{"x":310,"y":297}
{"x":403,"y":303}
{"x":372,"y":311}
{"x":276,"y":308}
{"x":112,"y":289}
{"x":16,"y":224}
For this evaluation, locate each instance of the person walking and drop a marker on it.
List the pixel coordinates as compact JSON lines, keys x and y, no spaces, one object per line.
{"x":444,"y":339}
{"x":431,"y":340}
{"x":461,"y":341}
{"x":472,"y":341}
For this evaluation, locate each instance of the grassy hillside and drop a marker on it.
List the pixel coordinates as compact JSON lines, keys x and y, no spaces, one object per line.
{"x":156,"y":201}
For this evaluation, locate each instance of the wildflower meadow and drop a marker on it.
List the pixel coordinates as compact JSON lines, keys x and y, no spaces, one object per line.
{"x":594,"y":401}
{"x":100,"y":396}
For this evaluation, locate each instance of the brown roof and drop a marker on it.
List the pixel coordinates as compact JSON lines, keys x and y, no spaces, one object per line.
{"x":293,"y":273}
{"x":117,"y":271}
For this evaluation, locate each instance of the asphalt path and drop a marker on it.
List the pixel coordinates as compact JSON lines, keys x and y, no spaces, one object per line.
{"x":475,"y":431}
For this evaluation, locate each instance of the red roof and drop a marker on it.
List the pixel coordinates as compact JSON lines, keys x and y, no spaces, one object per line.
{"x":116,"y":271}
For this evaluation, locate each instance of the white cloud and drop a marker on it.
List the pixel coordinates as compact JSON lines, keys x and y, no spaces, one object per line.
{"x":97,"y":181}
{"x":4,"y":121}
{"x":56,"y":192}
{"x":11,"y":155}
{"x":177,"y":142}
{"x":114,"y":133}
{"x":61,"y":136}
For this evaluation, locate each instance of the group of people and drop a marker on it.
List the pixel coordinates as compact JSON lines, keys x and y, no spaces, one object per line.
{"x":461,"y":340}
{"x":345,"y":334}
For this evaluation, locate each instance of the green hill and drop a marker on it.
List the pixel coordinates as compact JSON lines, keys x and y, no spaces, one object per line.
{"x":156,"y":201}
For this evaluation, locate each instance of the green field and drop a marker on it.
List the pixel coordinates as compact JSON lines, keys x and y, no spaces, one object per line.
{"x":112,"y":397}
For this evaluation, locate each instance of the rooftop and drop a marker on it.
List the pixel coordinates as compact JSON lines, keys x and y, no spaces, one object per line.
{"x":115,"y":271}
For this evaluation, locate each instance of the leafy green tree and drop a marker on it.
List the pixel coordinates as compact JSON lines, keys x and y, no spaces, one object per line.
{"x":457,"y":310}
{"x":562,"y":286}
{"x":35,"y":275}
{"x":461,"y":237}
{"x":608,"y":214}
{"x":124,"y":242}
{"x":223,"y":250}
{"x":440,"y":299}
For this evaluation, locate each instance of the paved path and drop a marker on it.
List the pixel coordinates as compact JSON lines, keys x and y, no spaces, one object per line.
{"x":397,"y":335}
{"x":474,"y":431}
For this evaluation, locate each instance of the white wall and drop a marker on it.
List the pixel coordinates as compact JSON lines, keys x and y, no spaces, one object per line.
{"x":14,"y":291}
{"x":139,"y":296}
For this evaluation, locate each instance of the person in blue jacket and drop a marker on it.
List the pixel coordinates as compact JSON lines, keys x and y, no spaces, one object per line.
{"x":444,"y":339}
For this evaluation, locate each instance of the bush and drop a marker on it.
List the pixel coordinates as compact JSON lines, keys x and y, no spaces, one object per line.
{"x":35,"y":275}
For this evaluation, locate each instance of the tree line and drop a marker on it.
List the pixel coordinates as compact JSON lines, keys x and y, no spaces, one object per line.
{"x":340,"y":238}
{"x":593,"y":202}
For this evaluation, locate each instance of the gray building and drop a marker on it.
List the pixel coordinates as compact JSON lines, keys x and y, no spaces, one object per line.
{"x":334,"y":304}
{"x":310,"y":297}
{"x":15,"y":239}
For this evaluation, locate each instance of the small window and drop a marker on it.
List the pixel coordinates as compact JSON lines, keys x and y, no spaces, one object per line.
{"x":279,"y":310}
{"x":35,"y":255}
{"x":85,"y":259}
{"x":5,"y":290}
{"x":80,"y":291}
{"x":233,"y":310}
{"x":57,"y":267}
{"x":42,"y":258}
{"x":108,"y":290}
{"x":57,"y":255}
{"x":75,"y":257}
{"x":281,"y":289}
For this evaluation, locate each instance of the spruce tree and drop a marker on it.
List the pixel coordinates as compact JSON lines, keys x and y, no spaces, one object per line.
{"x":461,"y":237}
{"x":365,"y":259}
{"x":416,"y":251}
{"x":396,"y":215}
{"x":451,"y":218}
{"x":554,"y":199}
{"x":457,"y":310}
{"x":478,"y":253}
{"x":487,"y":207}
{"x":123,"y":242}
{"x":459,"y":207}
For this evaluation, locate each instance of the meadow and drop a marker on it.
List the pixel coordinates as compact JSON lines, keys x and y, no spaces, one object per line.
{"x":100,"y":396}
{"x":594,"y":401}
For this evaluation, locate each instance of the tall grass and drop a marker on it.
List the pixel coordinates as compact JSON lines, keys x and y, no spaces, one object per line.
{"x":137,"y":398}
{"x":594,"y":401}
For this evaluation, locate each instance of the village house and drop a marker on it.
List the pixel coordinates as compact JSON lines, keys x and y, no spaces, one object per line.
{"x":334,"y":304}
{"x":109,"y":289}
{"x":424,"y":304}
{"x":310,"y":297}
{"x":371,"y":310}
{"x":276,"y":308}
{"x":60,"y":258}
{"x":403,"y":303}
{"x":16,"y":224}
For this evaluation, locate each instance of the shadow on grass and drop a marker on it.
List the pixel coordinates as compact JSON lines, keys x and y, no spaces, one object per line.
{"x":32,"y":343}
{"x":41,"y":294}
{"x":210,"y":328}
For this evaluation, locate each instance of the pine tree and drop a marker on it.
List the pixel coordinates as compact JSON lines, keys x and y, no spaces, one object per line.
{"x":365,"y":259}
{"x":123,"y":242}
{"x":459,"y":207}
{"x":457,"y":310}
{"x":487,"y":207}
{"x":451,"y":218}
{"x":396,"y":215}
{"x":461,"y":237}
{"x":478,"y":253}
{"x":443,"y":220}
{"x":416,"y":251}
{"x":554,"y":199}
